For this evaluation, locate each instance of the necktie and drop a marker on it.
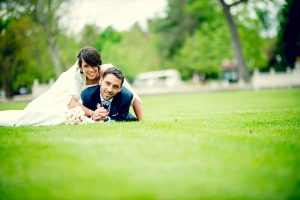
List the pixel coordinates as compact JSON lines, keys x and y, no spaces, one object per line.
{"x":106,"y":105}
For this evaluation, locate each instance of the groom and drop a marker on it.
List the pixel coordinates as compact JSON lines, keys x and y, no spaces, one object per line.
{"x":109,"y":100}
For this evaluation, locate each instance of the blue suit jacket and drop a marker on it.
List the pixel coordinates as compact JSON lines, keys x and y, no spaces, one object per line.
{"x":119,"y":109}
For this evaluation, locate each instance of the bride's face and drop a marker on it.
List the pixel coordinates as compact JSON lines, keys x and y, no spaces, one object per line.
{"x":91,"y":72}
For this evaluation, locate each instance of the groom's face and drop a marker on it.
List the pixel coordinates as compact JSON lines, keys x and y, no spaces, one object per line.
{"x":110,"y":86}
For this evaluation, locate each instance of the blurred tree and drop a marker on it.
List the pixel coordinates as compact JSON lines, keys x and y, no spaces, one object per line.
{"x":178,"y":45}
{"x":256,"y":57}
{"x":183,"y":17}
{"x":89,"y":35}
{"x":238,"y":51}
{"x":288,"y":44}
{"x":256,"y":25}
{"x":109,"y":35}
{"x":135,"y":53}
{"x":23,"y":44}
{"x":204,"y":52}
{"x":15,"y":42}
{"x":44,"y":13}
{"x":69,"y":47}
{"x":172,"y":29}
{"x":249,"y":23}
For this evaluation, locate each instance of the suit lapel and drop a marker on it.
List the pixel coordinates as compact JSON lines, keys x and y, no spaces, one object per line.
{"x":115,"y":104}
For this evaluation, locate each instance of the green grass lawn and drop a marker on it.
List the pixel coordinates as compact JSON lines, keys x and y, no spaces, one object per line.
{"x":223,"y":145}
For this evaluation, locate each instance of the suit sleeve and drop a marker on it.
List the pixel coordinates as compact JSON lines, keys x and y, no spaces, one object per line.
{"x":125,"y":99}
{"x":85,"y":97}
{"x":89,"y":97}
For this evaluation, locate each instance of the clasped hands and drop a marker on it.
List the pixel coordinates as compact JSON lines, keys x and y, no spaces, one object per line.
{"x":100,"y":114}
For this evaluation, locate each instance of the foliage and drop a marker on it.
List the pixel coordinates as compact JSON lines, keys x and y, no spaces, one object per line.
{"x":200,"y":41}
{"x":192,"y":37}
{"x":89,"y":35}
{"x":25,"y":30}
{"x":135,"y":53}
{"x":288,"y":45}
{"x":69,"y":48}
{"x":15,"y":47}
{"x":205,"y":51}
{"x":241,"y":145}
{"x":173,"y":31}
{"x":30,"y":57}
{"x":253,"y":30}
{"x":108,"y":36}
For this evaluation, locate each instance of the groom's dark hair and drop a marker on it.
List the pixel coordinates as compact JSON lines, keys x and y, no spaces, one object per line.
{"x":90,"y":55}
{"x":115,"y":71}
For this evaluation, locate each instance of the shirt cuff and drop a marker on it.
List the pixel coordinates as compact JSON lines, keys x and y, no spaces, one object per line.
{"x":107,"y":119}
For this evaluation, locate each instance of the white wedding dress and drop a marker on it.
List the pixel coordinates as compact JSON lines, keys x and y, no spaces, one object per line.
{"x":50,"y":107}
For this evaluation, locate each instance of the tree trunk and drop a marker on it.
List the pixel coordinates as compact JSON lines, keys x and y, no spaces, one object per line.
{"x":242,"y":68}
{"x":43,"y":14}
{"x":54,"y":54}
{"x":7,"y":79}
{"x":8,"y":89}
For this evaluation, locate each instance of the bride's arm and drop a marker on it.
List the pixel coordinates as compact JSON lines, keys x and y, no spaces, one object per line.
{"x":137,"y":107}
{"x":73,"y":103}
{"x":137,"y":102}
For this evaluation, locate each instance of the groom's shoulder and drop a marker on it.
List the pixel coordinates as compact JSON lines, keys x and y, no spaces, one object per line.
{"x":91,"y":89}
{"x":126,"y":93}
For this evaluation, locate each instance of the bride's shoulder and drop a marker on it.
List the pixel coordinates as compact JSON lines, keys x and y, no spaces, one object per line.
{"x":104,"y":67}
{"x":108,"y":65}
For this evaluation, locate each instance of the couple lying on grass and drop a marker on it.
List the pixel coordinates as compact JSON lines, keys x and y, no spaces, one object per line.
{"x":86,"y":93}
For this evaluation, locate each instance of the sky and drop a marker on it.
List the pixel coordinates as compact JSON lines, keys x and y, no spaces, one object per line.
{"x":121,"y":14}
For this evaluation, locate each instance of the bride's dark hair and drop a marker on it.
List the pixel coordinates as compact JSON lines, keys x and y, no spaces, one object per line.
{"x":90,"y":55}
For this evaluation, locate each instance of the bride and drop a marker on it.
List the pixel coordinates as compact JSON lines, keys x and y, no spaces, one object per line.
{"x":50,"y":107}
